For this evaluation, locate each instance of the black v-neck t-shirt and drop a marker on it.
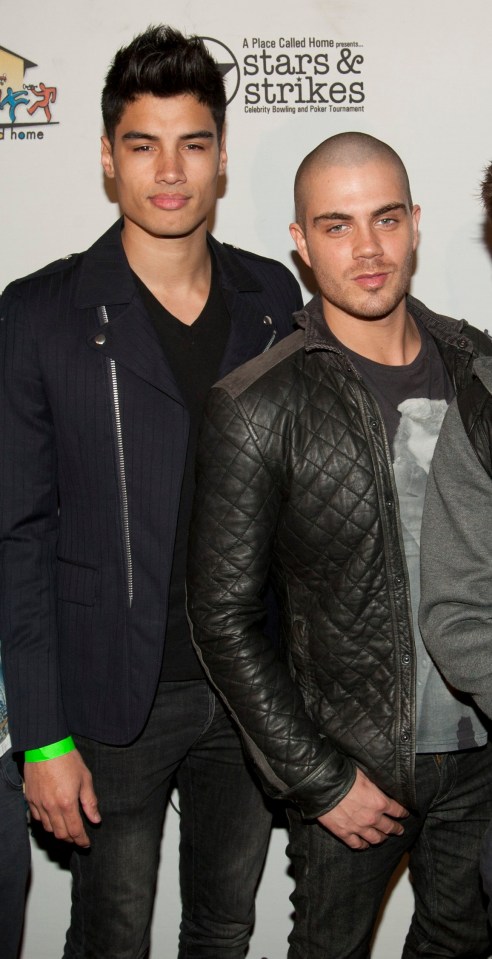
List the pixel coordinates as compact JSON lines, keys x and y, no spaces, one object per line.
{"x":194,"y":354}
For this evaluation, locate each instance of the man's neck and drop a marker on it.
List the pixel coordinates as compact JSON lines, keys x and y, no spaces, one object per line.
{"x":393,"y":340}
{"x":177,"y":270}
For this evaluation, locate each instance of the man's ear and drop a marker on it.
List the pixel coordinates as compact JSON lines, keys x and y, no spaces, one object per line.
{"x":222,"y":154}
{"x":297,"y":234}
{"x":107,"y":157}
{"x":416,"y":221}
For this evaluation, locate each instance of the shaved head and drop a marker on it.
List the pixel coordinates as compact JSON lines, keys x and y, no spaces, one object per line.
{"x":344,"y":150}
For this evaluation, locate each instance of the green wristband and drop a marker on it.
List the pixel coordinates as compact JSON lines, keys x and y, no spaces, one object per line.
{"x":49,"y":752}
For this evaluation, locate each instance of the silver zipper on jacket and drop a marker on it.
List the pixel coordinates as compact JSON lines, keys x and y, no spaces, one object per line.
{"x":267,"y":320}
{"x":120,"y":462}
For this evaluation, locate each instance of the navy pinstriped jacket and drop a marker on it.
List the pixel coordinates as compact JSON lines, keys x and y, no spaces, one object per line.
{"x":93,"y":433}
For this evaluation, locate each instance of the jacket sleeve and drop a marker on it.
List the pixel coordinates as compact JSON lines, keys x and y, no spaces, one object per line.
{"x":238,"y":497}
{"x":456,"y":561}
{"x":28,"y":535}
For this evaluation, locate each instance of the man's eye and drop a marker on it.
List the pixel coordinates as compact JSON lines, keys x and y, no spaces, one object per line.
{"x":337,"y":228}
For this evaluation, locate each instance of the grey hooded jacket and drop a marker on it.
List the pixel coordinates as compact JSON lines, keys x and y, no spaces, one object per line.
{"x":456,"y":544}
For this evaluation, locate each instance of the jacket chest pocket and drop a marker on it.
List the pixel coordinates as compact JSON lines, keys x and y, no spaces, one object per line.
{"x":75,"y":583}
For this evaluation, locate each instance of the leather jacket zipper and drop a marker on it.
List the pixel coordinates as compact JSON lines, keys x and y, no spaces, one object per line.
{"x":120,"y":465}
{"x":400,"y":721}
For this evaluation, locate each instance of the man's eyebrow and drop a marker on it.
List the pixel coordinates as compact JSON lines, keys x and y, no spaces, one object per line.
{"x":139,"y":135}
{"x":198,"y":135}
{"x":193,"y":135}
{"x":332,"y":216}
{"x":346,"y":217}
{"x":390,"y":208}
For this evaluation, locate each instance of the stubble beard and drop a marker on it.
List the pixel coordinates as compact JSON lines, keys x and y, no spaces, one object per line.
{"x":369,"y":304}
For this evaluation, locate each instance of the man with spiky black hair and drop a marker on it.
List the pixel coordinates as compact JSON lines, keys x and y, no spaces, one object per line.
{"x":107,"y":357}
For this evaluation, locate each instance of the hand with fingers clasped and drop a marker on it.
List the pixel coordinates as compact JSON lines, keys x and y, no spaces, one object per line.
{"x":365,"y":816}
{"x":56,"y":790}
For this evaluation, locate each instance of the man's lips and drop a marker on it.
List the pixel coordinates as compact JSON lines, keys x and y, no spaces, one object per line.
{"x":169,"y":201}
{"x":371,"y":281}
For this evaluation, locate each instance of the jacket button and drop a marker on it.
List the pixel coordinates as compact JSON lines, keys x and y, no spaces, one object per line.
{"x":405,"y":659}
{"x":100,"y":339}
{"x":374,"y":425}
{"x":389,"y":503}
{"x":267,"y":320}
{"x":398,"y":580}
{"x":405,"y":736}
{"x":462,"y":342}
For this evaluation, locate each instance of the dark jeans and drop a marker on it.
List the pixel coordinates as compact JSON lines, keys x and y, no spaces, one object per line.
{"x":15,"y":857}
{"x":486,"y":867}
{"x":339,"y":890}
{"x":224,"y":830}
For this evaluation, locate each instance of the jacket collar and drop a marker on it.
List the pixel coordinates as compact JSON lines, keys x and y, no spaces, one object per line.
{"x":317,"y":334}
{"x":444,"y":328}
{"x":106,"y":278}
{"x":233,"y":274}
{"x":483,"y":369}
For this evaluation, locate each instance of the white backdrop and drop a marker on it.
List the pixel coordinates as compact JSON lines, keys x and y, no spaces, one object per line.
{"x":415,"y":74}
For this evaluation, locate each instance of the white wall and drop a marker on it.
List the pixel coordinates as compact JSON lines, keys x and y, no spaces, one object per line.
{"x":427,"y":85}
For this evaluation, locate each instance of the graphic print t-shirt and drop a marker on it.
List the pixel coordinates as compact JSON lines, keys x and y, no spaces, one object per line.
{"x":4,"y":729}
{"x":413,"y":400}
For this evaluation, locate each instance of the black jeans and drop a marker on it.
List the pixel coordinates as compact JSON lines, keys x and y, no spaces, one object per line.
{"x":486,"y":867}
{"x":224,"y":830}
{"x":339,"y":890}
{"x":15,"y":857}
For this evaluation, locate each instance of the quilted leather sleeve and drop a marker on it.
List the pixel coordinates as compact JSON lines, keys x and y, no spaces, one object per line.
{"x":239,"y":494}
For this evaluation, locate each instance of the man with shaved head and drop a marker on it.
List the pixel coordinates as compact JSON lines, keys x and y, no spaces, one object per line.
{"x":312,"y":470}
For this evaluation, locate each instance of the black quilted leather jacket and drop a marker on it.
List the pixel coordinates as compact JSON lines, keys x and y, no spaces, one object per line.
{"x":295,"y":483}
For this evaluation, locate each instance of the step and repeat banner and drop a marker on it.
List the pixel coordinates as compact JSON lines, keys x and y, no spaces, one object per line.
{"x":416,"y":75}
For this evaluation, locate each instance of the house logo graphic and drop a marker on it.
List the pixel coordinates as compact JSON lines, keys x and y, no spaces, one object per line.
{"x":25,"y":108}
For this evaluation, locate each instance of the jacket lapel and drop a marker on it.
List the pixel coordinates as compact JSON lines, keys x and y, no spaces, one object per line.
{"x":128,"y":337}
{"x":250,"y":330}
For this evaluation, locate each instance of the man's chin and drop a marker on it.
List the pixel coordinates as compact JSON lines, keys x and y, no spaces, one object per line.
{"x":374,"y":308}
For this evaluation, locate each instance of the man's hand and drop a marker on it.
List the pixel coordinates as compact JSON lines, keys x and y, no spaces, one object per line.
{"x":365,"y":816}
{"x":54,"y":789}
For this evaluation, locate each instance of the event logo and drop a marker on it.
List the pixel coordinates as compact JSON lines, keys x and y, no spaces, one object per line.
{"x":293,"y":74}
{"x":24,"y":107}
{"x":227,"y":63}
